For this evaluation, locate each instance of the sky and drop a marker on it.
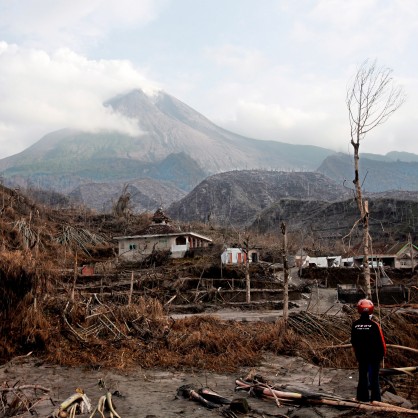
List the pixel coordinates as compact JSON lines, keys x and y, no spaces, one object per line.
{"x":266,"y":69}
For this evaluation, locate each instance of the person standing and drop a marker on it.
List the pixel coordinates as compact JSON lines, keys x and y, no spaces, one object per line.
{"x":370,"y":348}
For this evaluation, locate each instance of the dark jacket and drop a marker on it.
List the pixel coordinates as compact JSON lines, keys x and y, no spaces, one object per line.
{"x":367,"y":340}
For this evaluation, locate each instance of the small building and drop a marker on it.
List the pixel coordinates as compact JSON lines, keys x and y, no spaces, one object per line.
{"x":406,"y":255}
{"x":323,"y":262}
{"x":304,"y":260}
{"x":403,"y":255}
{"x":234,"y":255}
{"x":317,"y":262}
{"x":160,"y":235}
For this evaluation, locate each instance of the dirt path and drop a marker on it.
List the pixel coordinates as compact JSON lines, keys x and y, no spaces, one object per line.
{"x":321,"y":300}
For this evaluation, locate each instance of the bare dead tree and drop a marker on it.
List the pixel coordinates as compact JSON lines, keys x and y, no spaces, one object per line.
{"x":121,"y":208}
{"x":246,"y":249}
{"x":371,"y":98}
{"x":285,"y":278}
{"x":247,"y":244}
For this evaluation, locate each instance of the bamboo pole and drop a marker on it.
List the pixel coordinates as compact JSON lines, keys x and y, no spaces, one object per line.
{"x":401,"y":347}
{"x":296,"y":397}
{"x":374,"y":406}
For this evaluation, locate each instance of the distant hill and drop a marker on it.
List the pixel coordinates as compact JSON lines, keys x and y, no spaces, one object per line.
{"x":237,"y":197}
{"x":392,"y":219}
{"x":145,"y":195}
{"x":377,"y":174}
{"x":392,"y":156}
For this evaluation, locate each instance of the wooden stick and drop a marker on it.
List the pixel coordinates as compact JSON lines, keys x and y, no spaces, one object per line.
{"x":399,"y":370}
{"x":273,"y":394}
{"x":401,"y":347}
{"x":368,"y":407}
{"x":25,"y":387}
{"x":73,"y":330}
{"x":375,"y":406}
{"x":131,"y":289}
{"x":264,"y":390}
{"x":170,"y":300}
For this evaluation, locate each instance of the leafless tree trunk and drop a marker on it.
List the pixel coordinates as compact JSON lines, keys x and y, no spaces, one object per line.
{"x":285,"y":278}
{"x":371,"y":99}
{"x":247,"y":271}
{"x":121,"y":208}
{"x":131,"y":289}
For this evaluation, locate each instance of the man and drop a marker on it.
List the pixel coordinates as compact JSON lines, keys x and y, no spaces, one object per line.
{"x":370,"y":348}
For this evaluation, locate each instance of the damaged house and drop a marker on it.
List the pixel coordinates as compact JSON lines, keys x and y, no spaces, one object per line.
{"x":403,"y":255}
{"x":160,"y":235}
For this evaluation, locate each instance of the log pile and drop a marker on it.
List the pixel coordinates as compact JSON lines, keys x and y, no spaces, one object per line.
{"x":259,"y":387}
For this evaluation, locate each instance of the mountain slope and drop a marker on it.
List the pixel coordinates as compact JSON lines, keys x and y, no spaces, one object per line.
{"x":145,"y":194}
{"x":378,"y":175}
{"x":325,"y":223}
{"x":237,"y":197}
{"x":169,"y":127}
{"x":176,"y":127}
{"x":181,"y":147}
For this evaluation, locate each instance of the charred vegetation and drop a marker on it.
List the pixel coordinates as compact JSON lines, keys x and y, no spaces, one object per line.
{"x":121,"y":316}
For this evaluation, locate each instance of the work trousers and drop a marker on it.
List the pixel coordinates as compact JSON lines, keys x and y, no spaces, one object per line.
{"x":368,"y":379}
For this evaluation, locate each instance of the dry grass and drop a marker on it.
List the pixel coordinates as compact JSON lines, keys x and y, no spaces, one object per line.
{"x":91,"y":333}
{"x":98,"y":335}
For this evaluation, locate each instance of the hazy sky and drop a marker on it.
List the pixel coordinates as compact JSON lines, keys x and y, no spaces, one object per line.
{"x":268,"y":69}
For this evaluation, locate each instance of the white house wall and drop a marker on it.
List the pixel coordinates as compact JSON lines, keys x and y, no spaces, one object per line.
{"x":233,"y":256}
{"x":145,"y":246}
{"x":179,"y":251}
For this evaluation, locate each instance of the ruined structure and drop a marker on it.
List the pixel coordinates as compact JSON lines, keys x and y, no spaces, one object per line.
{"x":160,"y":235}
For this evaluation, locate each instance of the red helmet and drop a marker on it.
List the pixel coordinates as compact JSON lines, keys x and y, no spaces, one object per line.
{"x":365,"y":306}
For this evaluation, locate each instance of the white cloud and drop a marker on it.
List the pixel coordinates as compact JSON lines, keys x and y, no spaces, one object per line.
{"x":244,"y":63}
{"x":310,"y":110}
{"x":42,"y":92}
{"x":290,"y":124}
{"x":53,"y":23}
{"x":278,"y":71}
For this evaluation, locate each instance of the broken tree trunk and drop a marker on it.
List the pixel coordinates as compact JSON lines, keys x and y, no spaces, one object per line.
{"x":285,"y":279}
